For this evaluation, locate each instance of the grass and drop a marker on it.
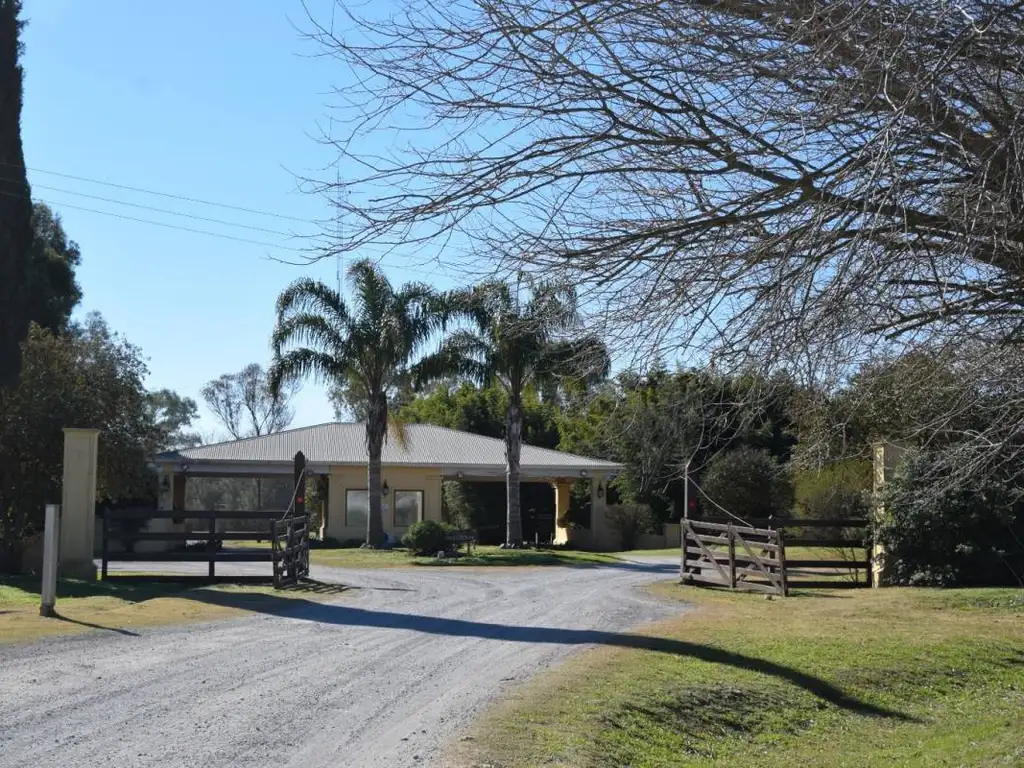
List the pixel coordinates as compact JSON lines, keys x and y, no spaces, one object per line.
{"x":122,"y":605}
{"x":482,"y":556}
{"x":842,"y":678}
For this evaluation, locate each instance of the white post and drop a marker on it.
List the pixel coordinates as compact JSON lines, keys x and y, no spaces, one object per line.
{"x":51,"y":537}
{"x":684,"y":521}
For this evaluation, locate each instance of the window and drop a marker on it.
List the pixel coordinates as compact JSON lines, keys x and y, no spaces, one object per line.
{"x":357,"y":508}
{"x":408,"y":508}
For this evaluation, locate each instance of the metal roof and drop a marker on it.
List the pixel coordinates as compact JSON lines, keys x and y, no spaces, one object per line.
{"x":341,"y":443}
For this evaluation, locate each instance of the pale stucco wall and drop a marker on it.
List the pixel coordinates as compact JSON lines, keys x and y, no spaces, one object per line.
{"x":342,"y":479}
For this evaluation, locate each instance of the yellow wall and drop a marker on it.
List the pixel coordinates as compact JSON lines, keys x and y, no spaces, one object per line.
{"x":78,"y":503}
{"x":426,"y":479}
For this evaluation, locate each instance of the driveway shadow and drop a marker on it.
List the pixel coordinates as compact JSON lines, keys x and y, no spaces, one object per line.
{"x":349,"y":616}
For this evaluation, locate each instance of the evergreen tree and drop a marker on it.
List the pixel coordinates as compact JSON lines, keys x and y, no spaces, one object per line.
{"x":15,"y":200}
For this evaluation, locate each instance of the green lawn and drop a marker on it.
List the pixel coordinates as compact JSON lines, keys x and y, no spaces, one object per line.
{"x":121,"y":604}
{"x":482,"y":556}
{"x":843,"y":678}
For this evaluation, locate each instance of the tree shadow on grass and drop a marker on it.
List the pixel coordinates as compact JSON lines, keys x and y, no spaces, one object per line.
{"x":349,"y":616}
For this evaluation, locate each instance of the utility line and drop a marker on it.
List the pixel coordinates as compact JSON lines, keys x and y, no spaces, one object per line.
{"x":730,"y":514}
{"x":437,"y":272}
{"x":159,"y":194}
{"x":169,"y":226}
{"x":164,"y":210}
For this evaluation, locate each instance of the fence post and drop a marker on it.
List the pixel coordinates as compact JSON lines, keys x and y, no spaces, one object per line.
{"x":211,"y":545}
{"x":732,"y":557}
{"x":105,"y":553}
{"x":274,"y":554}
{"x":782,"y":562}
{"x":684,"y":535}
{"x":51,"y":537}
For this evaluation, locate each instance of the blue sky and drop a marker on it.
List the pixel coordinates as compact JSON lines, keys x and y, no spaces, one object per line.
{"x":214,"y":100}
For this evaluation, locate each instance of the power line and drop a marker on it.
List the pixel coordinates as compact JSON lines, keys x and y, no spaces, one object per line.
{"x":160,"y":194}
{"x":184,"y":229}
{"x":169,"y":226}
{"x":164,"y":210}
{"x":439,"y":271}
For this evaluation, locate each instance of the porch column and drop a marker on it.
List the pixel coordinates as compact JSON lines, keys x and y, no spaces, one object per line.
{"x":178,"y":496}
{"x":602,"y":536}
{"x":563,"y":492}
{"x":170,"y":496}
{"x":78,"y":504}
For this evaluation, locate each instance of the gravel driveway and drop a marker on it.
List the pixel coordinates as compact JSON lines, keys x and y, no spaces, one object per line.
{"x":382,"y":677}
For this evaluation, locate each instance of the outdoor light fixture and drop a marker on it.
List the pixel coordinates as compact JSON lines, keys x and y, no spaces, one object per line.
{"x":385,"y":489}
{"x":459,"y":475}
{"x":600,"y":490}
{"x":583,"y":473}
{"x":165,"y":483}
{"x":184,"y":467}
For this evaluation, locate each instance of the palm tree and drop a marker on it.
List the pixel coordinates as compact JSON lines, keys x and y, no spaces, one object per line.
{"x":364,"y":345}
{"x":519,"y":344}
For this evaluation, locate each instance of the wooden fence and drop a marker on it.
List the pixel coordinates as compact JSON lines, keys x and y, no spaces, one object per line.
{"x":733,"y":556}
{"x":123,"y":525}
{"x":775,"y":554}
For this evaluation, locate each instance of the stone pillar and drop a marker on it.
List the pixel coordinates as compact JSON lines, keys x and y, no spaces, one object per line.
{"x":563,"y":492}
{"x":887,"y":457}
{"x":78,"y":503}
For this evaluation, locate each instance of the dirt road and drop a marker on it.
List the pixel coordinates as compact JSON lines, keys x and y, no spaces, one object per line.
{"x":382,"y":677}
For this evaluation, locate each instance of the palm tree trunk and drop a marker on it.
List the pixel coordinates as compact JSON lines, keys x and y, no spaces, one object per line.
{"x":513,"y":448}
{"x":376,"y":428}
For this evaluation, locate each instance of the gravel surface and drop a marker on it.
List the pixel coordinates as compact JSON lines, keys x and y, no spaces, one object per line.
{"x":384,"y":676}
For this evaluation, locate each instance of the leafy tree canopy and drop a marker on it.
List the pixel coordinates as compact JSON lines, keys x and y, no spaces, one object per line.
{"x":91,"y":377}
{"x":53,"y":290}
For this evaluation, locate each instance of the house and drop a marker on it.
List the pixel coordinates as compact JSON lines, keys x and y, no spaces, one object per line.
{"x":411,"y":473}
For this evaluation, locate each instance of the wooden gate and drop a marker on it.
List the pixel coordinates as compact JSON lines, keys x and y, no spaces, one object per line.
{"x":733,"y":556}
{"x":289,"y":540}
{"x":289,"y":544}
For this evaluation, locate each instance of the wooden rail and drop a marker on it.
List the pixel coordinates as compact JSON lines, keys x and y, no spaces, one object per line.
{"x":735,"y":556}
{"x":212,"y":539}
{"x":828,"y":536}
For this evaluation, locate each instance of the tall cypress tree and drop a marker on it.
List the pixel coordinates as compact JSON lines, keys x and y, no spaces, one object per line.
{"x":15,"y":200}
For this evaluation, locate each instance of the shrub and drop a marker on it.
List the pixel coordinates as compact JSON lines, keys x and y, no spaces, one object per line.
{"x":427,"y":536}
{"x":839,"y":490}
{"x":327,"y":542}
{"x":630,"y":520}
{"x":749,"y":483}
{"x":940,"y":533}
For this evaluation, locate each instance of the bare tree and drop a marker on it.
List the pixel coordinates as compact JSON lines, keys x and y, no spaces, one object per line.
{"x":790,"y":182}
{"x":245,"y":405}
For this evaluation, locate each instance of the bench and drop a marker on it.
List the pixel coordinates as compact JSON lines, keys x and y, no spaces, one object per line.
{"x":456,"y":538}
